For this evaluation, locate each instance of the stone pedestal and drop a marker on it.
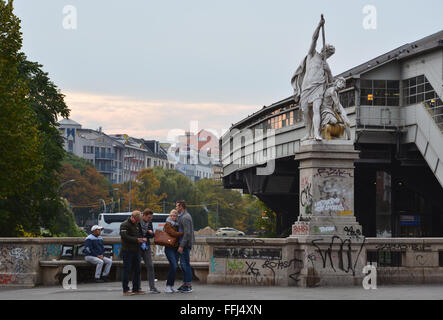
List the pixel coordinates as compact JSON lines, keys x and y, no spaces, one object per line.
{"x":330,"y":239}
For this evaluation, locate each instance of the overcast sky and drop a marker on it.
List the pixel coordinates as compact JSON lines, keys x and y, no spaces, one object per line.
{"x":146,"y":67}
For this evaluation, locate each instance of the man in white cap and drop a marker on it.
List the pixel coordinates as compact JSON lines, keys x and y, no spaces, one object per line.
{"x":94,"y":250}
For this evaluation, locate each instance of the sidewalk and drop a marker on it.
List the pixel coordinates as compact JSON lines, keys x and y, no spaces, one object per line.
{"x":113,"y":291}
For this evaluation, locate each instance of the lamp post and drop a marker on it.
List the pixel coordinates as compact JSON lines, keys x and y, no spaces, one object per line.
{"x":104,"y":205}
{"x":117,"y":189}
{"x":130,"y":180}
{"x":64,"y":183}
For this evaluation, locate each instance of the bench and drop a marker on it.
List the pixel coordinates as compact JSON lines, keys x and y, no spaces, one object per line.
{"x":52,"y":270}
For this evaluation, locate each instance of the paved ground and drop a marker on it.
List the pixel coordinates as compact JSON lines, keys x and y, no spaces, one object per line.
{"x":112,"y":291}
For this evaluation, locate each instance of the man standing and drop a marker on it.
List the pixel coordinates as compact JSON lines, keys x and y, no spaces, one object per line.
{"x":310,"y":82}
{"x":94,"y":253}
{"x":130,"y":253}
{"x":146,"y":231}
{"x":187,"y":227}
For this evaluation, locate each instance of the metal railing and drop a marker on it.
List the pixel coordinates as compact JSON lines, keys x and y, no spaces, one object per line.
{"x":379,"y":117}
{"x":436,"y":112}
{"x":108,"y":156}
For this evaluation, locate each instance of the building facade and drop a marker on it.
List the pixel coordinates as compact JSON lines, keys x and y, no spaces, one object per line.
{"x":118,"y":157}
{"x":101,"y":150}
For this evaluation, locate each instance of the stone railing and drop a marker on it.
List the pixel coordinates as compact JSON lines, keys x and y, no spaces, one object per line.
{"x":21,"y":258}
{"x":406,"y":260}
{"x":250,"y":261}
{"x":286,"y":262}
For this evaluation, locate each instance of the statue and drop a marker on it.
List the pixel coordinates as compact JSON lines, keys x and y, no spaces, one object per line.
{"x":334,"y":120}
{"x":310,"y":82}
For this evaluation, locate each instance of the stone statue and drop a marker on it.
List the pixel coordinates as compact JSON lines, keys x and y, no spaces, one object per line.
{"x":310,"y":82}
{"x":334,"y":121}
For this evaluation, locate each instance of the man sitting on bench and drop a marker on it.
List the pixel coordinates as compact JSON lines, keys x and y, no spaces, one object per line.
{"x":94,"y":250}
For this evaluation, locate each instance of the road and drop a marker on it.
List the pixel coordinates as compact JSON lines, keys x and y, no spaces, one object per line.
{"x":113,"y":291}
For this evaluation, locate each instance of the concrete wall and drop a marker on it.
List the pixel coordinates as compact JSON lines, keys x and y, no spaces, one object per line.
{"x":252,"y":261}
{"x":288,"y":262}
{"x":389,"y":71}
{"x":20,"y":257}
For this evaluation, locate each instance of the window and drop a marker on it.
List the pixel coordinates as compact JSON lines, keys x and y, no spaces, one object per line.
{"x":380,"y":92}
{"x":418,"y":89}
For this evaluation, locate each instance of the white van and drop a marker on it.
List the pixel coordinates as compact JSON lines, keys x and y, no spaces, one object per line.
{"x":111,"y":222}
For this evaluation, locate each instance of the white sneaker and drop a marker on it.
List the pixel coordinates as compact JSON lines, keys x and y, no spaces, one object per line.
{"x":169,"y":289}
{"x":174,"y":290}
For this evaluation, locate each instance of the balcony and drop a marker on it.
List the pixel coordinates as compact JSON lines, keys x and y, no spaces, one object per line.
{"x":105,"y":156}
{"x":107,"y":169}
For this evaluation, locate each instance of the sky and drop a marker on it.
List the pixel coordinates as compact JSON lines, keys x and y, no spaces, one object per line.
{"x":150,"y":68}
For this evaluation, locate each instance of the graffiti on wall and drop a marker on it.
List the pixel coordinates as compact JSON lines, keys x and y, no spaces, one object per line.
{"x":50,"y":251}
{"x":248,"y":253}
{"x":346,"y":260}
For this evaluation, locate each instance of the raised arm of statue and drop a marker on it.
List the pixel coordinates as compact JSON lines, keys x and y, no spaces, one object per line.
{"x":315,"y":37}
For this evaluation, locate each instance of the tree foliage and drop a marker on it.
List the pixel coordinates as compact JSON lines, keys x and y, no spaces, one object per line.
{"x":85,"y":192}
{"x":20,"y":159}
{"x":30,"y":146}
{"x":145,"y":191}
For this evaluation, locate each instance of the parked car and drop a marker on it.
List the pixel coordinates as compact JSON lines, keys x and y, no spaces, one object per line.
{"x":229,"y":232}
{"x":111,"y":222}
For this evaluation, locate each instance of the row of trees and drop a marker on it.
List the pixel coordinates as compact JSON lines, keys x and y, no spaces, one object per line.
{"x":30,"y":145}
{"x":208,"y":202}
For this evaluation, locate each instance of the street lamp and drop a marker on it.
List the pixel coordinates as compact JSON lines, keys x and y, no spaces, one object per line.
{"x":117,"y":189}
{"x":130,"y":180}
{"x":64,"y":183}
{"x":104,"y":205}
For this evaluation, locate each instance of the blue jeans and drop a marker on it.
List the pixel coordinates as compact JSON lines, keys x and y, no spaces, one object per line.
{"x":131,"y":264}
{"x":173,"y":256}
{"x":185,"y":264}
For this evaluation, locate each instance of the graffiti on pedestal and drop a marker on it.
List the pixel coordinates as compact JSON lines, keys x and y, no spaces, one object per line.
{"x":300,"y":229}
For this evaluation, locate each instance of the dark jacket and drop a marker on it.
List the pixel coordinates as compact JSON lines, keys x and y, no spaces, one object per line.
{"x":129,"y":234}
{"x":186,"y":225}
{"x":94,"y":246}
{"x":143,"y":230}
{"x":172,"y":231}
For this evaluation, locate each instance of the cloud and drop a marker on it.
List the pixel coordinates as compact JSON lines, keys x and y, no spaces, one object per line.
{"x":150,"y":119}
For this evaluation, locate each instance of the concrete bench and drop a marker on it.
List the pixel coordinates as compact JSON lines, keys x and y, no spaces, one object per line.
{"x":52,"y":270}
